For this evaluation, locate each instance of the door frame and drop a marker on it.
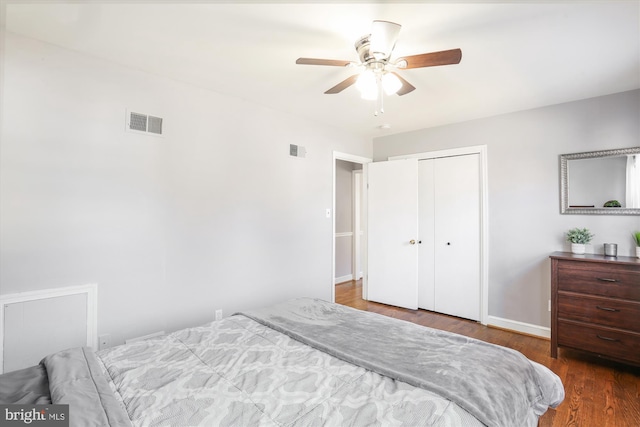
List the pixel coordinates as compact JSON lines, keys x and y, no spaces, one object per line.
{"x":481,"y":150}
{"x":337,"y":155}
{"x":356,"y":239}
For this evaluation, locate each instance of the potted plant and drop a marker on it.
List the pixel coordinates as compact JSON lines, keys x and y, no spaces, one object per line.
{"x":636,"y":237}
{"x":612,"y":204}
{"x":579,"y":237}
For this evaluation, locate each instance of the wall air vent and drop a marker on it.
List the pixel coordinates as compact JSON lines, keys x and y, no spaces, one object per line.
{"x":137,"y":122}
{"x":297,"y":150}
{"x":154,"y":125}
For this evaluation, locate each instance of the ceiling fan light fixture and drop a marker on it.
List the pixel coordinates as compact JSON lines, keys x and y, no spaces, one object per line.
{"x":383,"y":38}
{"x":391,"y":83}
{"x":378,"y":76}
{"x":367,"y":84}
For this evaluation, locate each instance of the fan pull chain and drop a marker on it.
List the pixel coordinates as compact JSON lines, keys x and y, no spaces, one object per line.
{"x":379,"y":98}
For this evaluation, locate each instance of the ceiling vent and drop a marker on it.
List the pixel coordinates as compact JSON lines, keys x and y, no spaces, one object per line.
{"x":137,"y":122}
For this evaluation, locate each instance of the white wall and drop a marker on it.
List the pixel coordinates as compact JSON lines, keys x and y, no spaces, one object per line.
{"x":525,"y":224}
{"x":214,"y":215}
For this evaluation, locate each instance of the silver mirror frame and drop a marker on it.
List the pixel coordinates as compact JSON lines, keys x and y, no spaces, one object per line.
{"x":564,"y":183}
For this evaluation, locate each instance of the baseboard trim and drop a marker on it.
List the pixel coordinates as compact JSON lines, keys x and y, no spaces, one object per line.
{"x":524,"y":328}
{"x":341,"y":279}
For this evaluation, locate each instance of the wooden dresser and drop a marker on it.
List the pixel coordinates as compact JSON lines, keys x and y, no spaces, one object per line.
{"x":595,"y":305}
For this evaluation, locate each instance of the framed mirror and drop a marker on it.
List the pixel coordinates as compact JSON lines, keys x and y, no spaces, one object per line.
{"x":601,"y":182}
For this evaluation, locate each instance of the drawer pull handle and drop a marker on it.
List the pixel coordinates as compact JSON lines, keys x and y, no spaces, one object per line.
{"x":606,"y":308}
{"x":607,"y":338}
{"x":602,"y":279}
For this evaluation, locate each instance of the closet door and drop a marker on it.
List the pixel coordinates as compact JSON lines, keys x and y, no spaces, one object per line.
{"x":392,"y":198}
{"x":426,"y":226}
{"x":457,"y":236}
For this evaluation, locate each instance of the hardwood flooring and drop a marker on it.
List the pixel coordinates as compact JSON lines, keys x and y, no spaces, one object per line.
{"x":598,"y":393}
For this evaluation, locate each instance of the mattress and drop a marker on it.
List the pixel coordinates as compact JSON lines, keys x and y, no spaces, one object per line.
{"x":305,"y":362}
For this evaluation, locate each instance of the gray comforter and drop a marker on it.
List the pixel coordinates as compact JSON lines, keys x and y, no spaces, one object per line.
{"x":76,"y":378}
{"x":498,"y":385}
{"x":302,"y":363}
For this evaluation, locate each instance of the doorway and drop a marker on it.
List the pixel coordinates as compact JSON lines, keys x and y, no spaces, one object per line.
{"x":348,"y":202}
{"x":349,"y":220}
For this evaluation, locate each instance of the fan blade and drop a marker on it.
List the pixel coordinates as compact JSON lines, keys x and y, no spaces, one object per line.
{"x":406,"y":86}
{"x":316,"y":61}
{"x":444,"y":57}
{"x":384,"y":35}
{"x":343,"y":84}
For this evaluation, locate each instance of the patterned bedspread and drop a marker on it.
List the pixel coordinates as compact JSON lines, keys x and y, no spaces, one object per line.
{"x":304,"y":362}
{"x":237,"y":372}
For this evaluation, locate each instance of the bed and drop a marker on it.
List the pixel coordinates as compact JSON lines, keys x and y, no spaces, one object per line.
{"x":304,"y":362}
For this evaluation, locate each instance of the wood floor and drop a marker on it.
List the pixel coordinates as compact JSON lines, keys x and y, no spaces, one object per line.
{"x":598,"y":393}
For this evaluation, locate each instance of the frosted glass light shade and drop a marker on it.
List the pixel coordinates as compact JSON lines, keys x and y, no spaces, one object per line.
{"x":391,"y":83}
{"x":367,"y":84}
{"x":383,"y":38}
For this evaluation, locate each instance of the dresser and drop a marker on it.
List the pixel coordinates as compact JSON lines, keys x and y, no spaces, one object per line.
{"x":595,"y":305}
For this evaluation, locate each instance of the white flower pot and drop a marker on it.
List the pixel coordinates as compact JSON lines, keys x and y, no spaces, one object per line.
{"x":637,"y":251}
{"x":577,"y":248}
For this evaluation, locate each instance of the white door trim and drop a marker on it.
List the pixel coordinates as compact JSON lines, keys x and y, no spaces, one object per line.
{"x":337,"y":155}
{"x":484,"y":214}
{"x":356,"y":183}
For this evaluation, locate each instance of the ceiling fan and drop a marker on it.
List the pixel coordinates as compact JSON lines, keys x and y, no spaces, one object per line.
{"x":378,"y":71}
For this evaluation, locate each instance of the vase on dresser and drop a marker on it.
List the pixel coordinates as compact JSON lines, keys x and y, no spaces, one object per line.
{"x":637,"y":251}
{"x":578,"y":248}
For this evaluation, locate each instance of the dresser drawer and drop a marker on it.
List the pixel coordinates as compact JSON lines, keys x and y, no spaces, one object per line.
{"x":597,"y":279}
{"x":602,"y":311}
{"x":604,"y":341}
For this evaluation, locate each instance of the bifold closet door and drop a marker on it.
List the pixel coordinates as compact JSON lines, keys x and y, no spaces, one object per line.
{"x":456,"y":239}
{"x":392,"y":222}
{"x":426,"y":227}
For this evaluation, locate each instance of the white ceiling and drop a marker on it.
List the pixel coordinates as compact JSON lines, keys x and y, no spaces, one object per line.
{"x":514,"y":56}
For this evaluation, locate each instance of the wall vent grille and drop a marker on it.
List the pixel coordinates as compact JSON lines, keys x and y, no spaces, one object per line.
{"x":297,"y":150}
{"x":138,"y":122}
{"x":155,"y":125}
{"x":144,"y":123}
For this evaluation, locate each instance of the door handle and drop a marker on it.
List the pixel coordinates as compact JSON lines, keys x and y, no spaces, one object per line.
{"x":413,"y":242}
